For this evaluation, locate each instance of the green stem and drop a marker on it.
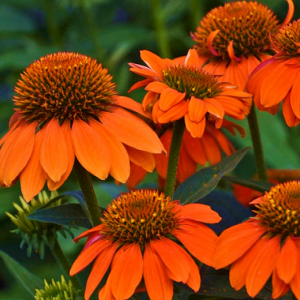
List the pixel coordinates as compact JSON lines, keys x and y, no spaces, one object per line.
{"x":257,"y":145}
{"x":87,"y":188}
{"x":177,"y":135}
{"x":160,"y":28}
{"x":65,"y":265}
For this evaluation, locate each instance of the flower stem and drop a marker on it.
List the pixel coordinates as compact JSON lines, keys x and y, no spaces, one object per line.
{"x":65,"y":265}
{"x":257,"y":145}
{"x":174,"y":157}
{"x":87,"y":188}
{"x":160,"y":28}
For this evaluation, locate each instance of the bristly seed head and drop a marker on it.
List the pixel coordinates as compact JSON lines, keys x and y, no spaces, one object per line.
{"x":138,"y":217}
{"x":279,"y":210}
{"x":247,"y":24}
{"x":191,"y":80}
{"x":63,"y":85}
{"x":288,"y":40}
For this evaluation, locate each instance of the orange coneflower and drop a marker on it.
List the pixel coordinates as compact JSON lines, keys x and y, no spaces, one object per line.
{"x":67,"y":107}
{"x":232,"y":40}
{"x":177,"y":90}
{"x":193,"y":151}
{"x":277,"y":79}
{"x":267,"y":244}
{"x":141,"y":239}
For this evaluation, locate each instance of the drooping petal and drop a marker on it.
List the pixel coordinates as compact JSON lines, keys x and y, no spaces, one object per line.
{"x":129,"y":103}
{"x":66,"y":129}
{"x":214,"y":107}
{"x":279,"y":287}
{"x":186,"y":165}
{"x":287,"y":260}
{"x":126,"y":272}
{"x":33,"y":177}
{"x":295,"y":282}
{"x":88,"y":255}
{"x":54,"y":153}
{"x":169,"y":98}
{"x":139,"y":84}
{"x":16,"y":152}
{"x":196,"y":129}
{"x":99,"y":269}
{"x":137,"y":174}
{"x":288,"y":113}
{"x":211,"y":148}
{"x":175,"y":113}
{"x":106,"y":292}
{"x":158,"y":284}
{"x":235,"y":241}
{"x":120,"y":167}
{"x":199,"y":239}
{"x":90,"y":149}
{"x":197,"y":109}
{"x":295,"y":97}
{"x":157,"y":87}
{"x":149,"y":97}
{"x":262,"y":266}
{"x":88,"y":232}
{"x":132,"y":131}
{"x":153,"y":61}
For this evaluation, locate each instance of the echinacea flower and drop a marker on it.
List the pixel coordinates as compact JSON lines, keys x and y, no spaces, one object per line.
{"x":66,"y":108}
{"x":233,"y":39}
{"x":267,"y":244}
{"x":182,"y":90}
{"x":193,"y":152}
{"x":245,"y":195}
{"x":277,"y":79}
{"x":141,"y":239}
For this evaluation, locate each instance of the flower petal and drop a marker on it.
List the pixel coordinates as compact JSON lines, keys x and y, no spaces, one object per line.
{"x":158,"y":284}
{"x":288,"y":113}
{"x":186,"y":165}
{"x":279,"y":286}
{"x":88,"y":232}
{"x":126,"y":102}
{"x":169,"y":98}
{"x":90,"y":149}
{"x":197,"y":109}
{"x":211,"y":148}
{"x":152,"y":60}
{"x":175,"y":113}
{"x":196,"y":129}
{"x":157,"y":87}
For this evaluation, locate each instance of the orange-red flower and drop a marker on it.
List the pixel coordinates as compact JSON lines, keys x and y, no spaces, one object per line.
{"x":193,"y":151}
{"x":277,"y":79}
{"x":233,"y":39}
{"x":267,"y":244}
{"x":177,"y":90}
{"x":67,"y":107}
{"x":245,"y":195}
{"x":141,"y":239}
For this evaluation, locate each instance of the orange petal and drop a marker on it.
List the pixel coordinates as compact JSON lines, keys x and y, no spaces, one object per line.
{"x":235,"y":241}
{"x":66,"y":129}
{"x":169,"y":98}
{"x":192,"y":58}
{"x":214,"y":107}
{"x":137,"y":174}
{"x":120,"y":167}
{"x":175,"y":113}
{"x":145,"y":72}
{"x":196,"y":129}
{"x":290,"y":13}
{"x":199,"y":239}
{"x":11,"y":130}
{"x":295,"y":283}
{"x":158,"y":284}
{"x":210,"y":39}
{"x":157,"y":87}
{"x":152,"y":60}
{"x":279,"y":286}
{"x":197,"y":212}
{"x":287,"y":260}
{"x":139,"y":84}
{"x":194,"y":280}
{"x":237,"y":73}
{"x":88,"y":232}
{"x":33,"y":177}
{"x":106,"y":292}
{"x":15,"y":153}
{"x":128,"y":103}
{"x":132,"y":131}
{"x":197,"y":109}
{"x":186,"y":165}
{"x":288,"y":113}
{"x":262,"y":266}
{"x":99,"y":269}
{"x":211,"y":148}
{"x":141,"y":158}
{"x":176,"y":260}
{"x":295,"y":98}
{"x":90,"y":149}
{"x":149,"y":97}
{"x":54,"y":153}
{"x":126,"y":272}
{"x":88,"y":255}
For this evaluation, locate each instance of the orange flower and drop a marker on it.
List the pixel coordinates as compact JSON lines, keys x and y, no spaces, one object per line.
{"x":245,"y":195}
{"x":67,"y":107}
{"x":193,"y":151}
{"x":178,"y":90}
{"x":277,"y":79}
{"x":140,"y":240}
{"x":267,"y":244}
{"x":232,"y":40}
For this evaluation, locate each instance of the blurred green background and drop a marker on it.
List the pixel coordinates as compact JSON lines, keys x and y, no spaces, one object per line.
{"x":113,"y":32}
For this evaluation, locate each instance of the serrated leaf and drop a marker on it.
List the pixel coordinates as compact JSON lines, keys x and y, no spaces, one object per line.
{"x":70,"y":214}
{"x":257,"y":185}
{"x":29,"y":281}
{"x":205,"y":180}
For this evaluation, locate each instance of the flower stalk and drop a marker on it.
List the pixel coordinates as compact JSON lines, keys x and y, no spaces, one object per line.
{"x":178,"y":131}
{"x":87,"y":188}
{"x":257,"y":144}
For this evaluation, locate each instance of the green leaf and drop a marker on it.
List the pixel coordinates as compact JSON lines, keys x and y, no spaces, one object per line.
{"x":70,"y":214}
{"x":257,"y":185}
{"x":205,"y":180}
{"x":28,"y":280}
